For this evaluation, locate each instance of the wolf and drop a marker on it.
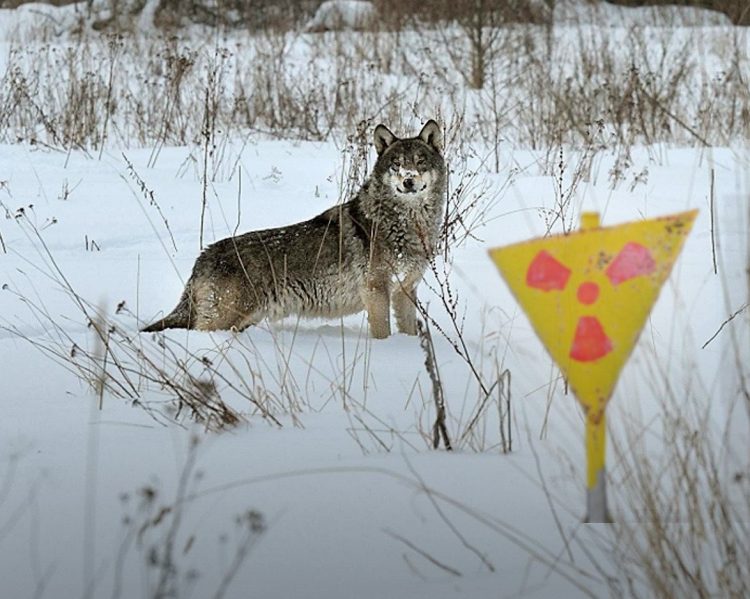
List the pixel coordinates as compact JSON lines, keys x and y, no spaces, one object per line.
{"x":364,"y":254}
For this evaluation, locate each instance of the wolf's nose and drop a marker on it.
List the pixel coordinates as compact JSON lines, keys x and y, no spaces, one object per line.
{"x":409,"y":183}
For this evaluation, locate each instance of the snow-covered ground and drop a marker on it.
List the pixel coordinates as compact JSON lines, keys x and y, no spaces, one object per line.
{"x":336,"y":492}
{"x":339,"y":485}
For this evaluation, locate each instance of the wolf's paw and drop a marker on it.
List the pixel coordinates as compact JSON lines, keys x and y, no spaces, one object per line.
{"x":407,"y":323}
{"x":408,"y":329}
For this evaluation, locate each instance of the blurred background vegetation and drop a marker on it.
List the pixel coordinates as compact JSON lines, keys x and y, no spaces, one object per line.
{"x":258,"y":14}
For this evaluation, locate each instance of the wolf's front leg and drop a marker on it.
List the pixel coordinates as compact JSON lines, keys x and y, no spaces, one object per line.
{"x":377,"y":302}
{"x":405,"y":303}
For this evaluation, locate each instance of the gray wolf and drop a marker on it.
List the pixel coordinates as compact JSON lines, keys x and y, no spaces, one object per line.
{"x":364,"y":254}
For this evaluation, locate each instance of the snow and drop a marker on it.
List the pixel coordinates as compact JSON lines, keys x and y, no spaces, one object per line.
{"x":35,"y":21}
{"x":33,"y":16}
{"x":354,"y":500}
{"x":342,"y":15}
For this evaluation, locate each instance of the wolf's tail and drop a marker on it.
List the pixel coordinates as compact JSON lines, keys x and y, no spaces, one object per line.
{"x":179,"y":318}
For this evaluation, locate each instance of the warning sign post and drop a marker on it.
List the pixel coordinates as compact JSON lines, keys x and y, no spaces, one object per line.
{"x":588,"y":295}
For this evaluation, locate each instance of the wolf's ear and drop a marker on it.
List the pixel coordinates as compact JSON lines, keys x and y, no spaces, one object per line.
{"x":382,"y":138}
{"x":430,"y":134}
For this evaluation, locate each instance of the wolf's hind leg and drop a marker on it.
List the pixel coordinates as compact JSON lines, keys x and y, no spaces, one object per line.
{"x":218,"y":306}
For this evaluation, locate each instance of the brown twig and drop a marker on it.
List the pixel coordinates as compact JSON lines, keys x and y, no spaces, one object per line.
{"x":723,"y":324}
{"x":423,"y":553}
{"x":713,"y":238}
{"x":439,"y":429}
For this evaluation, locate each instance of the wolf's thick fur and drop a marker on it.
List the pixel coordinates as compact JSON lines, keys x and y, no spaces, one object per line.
{"x":360,"y":255}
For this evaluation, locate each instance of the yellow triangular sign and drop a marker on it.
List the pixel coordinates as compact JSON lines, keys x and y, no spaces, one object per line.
{"x":588,"y":294}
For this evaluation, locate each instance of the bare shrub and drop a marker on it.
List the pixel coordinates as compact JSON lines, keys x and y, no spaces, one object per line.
{"x":620,"y":86}
{"x":157,"y":528}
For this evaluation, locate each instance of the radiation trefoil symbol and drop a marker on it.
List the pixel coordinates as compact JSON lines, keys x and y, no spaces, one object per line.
{"x":590,"y":341}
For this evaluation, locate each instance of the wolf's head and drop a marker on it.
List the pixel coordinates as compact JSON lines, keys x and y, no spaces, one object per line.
{"x":411,"y":168}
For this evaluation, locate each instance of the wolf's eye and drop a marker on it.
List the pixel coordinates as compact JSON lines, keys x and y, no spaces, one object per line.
{"x":420,"y":161}
{"x":395,"y":165}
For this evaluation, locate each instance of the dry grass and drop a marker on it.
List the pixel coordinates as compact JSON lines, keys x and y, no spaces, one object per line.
{"x":609,"y":88}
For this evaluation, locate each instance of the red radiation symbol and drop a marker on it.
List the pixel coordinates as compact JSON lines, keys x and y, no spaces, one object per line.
{"x":590,"y":342}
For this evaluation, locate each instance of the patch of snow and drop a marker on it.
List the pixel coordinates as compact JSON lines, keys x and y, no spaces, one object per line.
{"x":28,"y":19}
{"x":343,"y":15}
